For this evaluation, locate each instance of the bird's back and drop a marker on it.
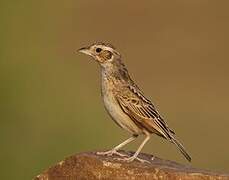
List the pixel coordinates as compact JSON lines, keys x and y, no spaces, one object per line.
{"x":126,"y":103}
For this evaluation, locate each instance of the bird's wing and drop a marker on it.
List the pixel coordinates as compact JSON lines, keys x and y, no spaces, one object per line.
{"x":142,"y":111}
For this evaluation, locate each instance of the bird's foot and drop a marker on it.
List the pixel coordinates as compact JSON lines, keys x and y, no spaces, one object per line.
{"x":112,"y":152}
{"x":132,"y":158}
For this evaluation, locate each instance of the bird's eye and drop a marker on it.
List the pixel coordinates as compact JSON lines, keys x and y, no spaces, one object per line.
{"x":98,"y":50}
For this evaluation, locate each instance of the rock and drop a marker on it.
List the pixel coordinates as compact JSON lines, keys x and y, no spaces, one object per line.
{"x":89,"y":165}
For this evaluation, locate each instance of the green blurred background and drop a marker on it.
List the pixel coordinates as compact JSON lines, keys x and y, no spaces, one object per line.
{"x":177,"y":52}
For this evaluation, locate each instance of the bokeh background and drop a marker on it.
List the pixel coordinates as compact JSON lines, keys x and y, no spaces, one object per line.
{"x":50,"y":106}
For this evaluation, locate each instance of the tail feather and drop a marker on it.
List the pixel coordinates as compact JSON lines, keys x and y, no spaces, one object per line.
{"x":181,"y":148}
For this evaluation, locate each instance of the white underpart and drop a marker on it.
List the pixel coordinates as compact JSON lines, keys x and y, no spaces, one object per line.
{"x":115,"y":110}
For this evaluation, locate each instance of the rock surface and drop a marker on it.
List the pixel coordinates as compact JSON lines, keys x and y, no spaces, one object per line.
{"x":89,"y":165}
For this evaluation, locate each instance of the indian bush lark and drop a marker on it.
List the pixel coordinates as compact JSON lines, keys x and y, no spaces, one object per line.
{"x":125,"y":102}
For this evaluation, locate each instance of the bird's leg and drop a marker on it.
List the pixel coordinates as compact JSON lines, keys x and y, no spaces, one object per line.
{"x":116,"y":148}
{"x":132,"y":158}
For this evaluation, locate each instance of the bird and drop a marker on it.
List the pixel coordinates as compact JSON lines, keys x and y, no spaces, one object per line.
{"x":125,"y":102}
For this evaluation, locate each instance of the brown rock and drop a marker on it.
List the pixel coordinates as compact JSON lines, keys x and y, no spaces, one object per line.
{"x":91,"y":166}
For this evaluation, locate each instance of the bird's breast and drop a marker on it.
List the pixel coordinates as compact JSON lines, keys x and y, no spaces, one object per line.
{"x":114,"y":109}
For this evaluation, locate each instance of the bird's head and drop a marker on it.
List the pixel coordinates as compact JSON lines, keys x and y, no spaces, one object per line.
{"x":101,"y":52}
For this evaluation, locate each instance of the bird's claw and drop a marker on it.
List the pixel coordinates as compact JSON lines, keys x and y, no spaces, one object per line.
{"x":112,"y":152}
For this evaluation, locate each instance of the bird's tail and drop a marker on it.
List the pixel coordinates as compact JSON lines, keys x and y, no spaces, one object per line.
{"x":181,"y":148}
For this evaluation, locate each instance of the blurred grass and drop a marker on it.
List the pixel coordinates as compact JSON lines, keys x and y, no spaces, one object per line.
{"x":177,"y":51}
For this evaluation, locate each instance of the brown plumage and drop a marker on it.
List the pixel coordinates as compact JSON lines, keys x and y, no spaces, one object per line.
{"x":125,"y":102}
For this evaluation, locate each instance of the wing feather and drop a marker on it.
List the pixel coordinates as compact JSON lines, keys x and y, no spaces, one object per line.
{"x":143,"y":112}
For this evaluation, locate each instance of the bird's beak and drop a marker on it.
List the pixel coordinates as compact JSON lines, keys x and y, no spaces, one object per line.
{"x":85,"y":50}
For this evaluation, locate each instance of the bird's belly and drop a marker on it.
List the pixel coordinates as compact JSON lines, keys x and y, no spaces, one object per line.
{"x":119,"y":116}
